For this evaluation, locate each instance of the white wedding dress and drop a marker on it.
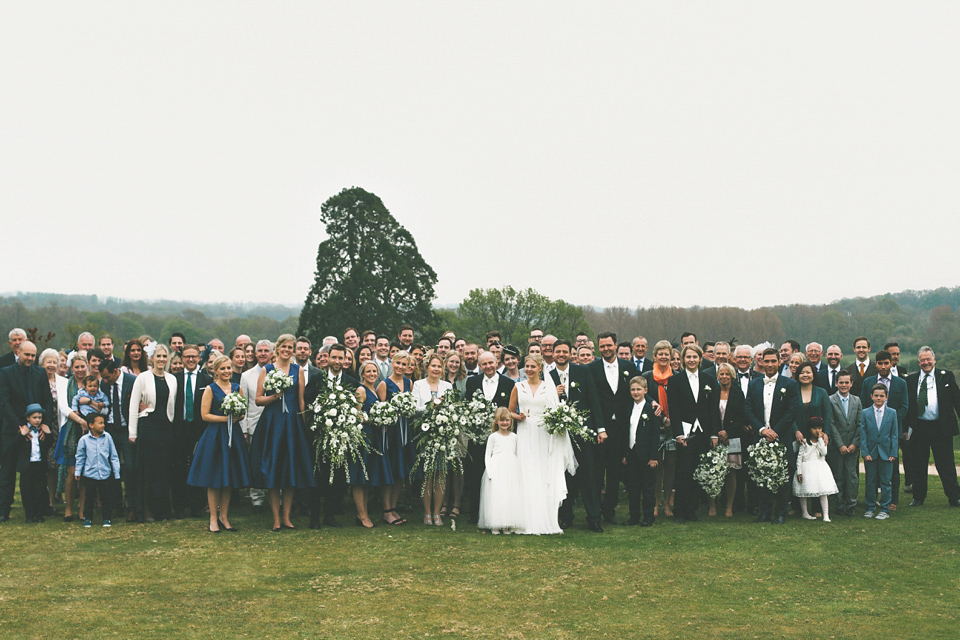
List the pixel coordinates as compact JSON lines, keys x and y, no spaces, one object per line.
{"x":543,"y":460}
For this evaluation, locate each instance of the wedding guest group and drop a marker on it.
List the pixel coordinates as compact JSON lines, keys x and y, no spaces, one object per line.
{"x":149,"y":431}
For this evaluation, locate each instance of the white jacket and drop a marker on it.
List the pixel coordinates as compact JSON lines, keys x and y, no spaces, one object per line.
{"x":145,"y":390}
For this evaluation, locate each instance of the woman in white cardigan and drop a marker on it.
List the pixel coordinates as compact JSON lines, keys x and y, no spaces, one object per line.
{"x":151,"y":431}
{"x":427,"y":390}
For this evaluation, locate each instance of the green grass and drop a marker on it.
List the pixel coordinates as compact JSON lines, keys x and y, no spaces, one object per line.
{"x":852,"y":578}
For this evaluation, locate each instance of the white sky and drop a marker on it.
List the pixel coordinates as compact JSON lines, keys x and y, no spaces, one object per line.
{"x":604,"y":153}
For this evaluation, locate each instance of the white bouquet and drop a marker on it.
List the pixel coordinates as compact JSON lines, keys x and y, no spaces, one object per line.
{"x":479,"y":415}
{"x":234,"y":405}
{"x":712,"y":471}
{"x":564,"y":418}
{"x":384,"y":414}
{"x":768,"y":465}
{"x":338,"y":422}
{"x":405,"y":403}
{"x":439,"y":444}
{"x":277,"y":381}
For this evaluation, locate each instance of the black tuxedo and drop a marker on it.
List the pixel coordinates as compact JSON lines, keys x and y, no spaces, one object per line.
{"x":707,"y":367}
{"x":934,"y":435}
{"x":583,"y":395}
{"x":475,"y":462}
{"x":186,"y":434}
{"x":117,"y":428}
{"x":613,"y":406}
{"x":330,"y":493}
{"x":703,"y":411}
{"x":638,"y":476}
{"x":19,"y":387}
{"x":857,"y":379}
{"x":783,"y":415}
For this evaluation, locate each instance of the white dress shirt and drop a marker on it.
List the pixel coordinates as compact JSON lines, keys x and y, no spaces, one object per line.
{"x":932,"y":412}
{"x":635,"y":420}
{"x":564,"y":379}
{"x":490,"y":387}
{"x":612,"y":369}
{"x":769,"y":386}
{"x":694,"y":378}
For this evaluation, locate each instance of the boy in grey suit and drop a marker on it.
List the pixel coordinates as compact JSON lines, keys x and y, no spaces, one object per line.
{"x":845,"y":443}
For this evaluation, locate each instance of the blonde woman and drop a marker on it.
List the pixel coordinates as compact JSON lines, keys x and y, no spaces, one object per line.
{"x":427,"y":390}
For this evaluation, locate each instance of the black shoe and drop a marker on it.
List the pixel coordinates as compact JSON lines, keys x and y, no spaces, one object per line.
{"x":955,"y":503}
{"x":595,"y":527}
{"x":763,"y":518}
{"x":609,"y":519}
{"x":565,"y":524}
{"x":779,"y":520}
{"x":314,"y":524}
{"x":632,"y":522}
{"x":330,"y":521}
{"x":916,"y":503}
{"x":646,"y":523}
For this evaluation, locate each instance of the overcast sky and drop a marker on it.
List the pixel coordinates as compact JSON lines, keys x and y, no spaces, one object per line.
{"x":634,"y":153}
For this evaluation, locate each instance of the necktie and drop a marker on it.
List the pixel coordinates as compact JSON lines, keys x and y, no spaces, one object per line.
{"x":862,"y":369}
{"x":922,"y":396}
{"x":188,"y":400}
{"x":846,"y":408}
{"x":833,"y":380}
{"x":114,"y":404}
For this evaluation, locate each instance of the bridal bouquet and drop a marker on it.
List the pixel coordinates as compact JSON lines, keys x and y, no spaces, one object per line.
{"x":767,"y":465}
{"x":564,"y":418}
{"x":439,"y":444}
{"x":712,"y":471}
{"x":277,"y":381}
{"x":338,"y":422}
{"x":234,"y":405}
{"x":479,"y":415}
{"x":405,"y":403}
{"x":384,"y":414}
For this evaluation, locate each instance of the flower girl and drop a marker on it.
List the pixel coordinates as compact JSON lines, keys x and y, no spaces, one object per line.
{"x":500,"y":507}
{"x":814,"y":478}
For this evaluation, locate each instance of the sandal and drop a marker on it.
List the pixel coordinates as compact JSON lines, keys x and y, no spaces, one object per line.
{"x":391,"y":522}
{"x":443,"y":511}
{"x":428,"y":519}
{"x":437,"y":522}
{"x":455,"y":512}
{"x":400,"y":519}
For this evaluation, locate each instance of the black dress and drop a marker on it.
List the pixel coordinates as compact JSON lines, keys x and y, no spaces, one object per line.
{"x":154,"y":433}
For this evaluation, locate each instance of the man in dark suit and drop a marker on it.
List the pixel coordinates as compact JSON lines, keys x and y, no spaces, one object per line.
{"x":693,"y":399}
{"x":327,"y":491}
{"x":814,"y":353}
{"x":496,"y":389}
{"x":640,"y":359}
{"x":833,"y":369}
{"x":105,"y":344}
{"x":897,"y":399}
{"x":117,"y":386}
{"x":747,"y":495}
{"x":772,"y":405}
{"x":932,"y":425}
{"x":893,"y":348}
{"x":611,"y":377}
{"x":17,"y":336}
{"x":21,"y":384}
{"x":187,"y":427}
{"x":862,"y":367}
{"x":576,"y":387}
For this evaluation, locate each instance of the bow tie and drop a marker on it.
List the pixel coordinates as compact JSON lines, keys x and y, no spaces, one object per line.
{"x":769,"y":381}
{"x":744,"y":375}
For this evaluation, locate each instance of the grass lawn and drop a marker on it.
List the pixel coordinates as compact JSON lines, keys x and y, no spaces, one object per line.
{"x":852,"y":578}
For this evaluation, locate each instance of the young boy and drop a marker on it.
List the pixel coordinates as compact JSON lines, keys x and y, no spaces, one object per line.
{"x":639,"y":445}
{"x":878,"y":440}
{"x":91,"y":400}
{"x":844,"y":433}
{"x":35,"y":440}
{"x":99,"y":466}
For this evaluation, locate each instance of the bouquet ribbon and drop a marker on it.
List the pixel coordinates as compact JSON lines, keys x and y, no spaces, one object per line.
{"x":229,"y":431}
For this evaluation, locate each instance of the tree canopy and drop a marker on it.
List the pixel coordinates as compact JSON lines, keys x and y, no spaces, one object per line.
{"x":370,"y":274}
{"x":513,"y":313}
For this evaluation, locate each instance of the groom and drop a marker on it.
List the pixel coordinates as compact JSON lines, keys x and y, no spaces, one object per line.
{"x":575,"y":387}
{"x":496,"y":389}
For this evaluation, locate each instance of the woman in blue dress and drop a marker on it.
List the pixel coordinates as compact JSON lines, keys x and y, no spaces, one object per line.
{"x":378,"y":472}
{"x":279,"y":454}
{"x":398,"y":451}
{"x":220,"y":462}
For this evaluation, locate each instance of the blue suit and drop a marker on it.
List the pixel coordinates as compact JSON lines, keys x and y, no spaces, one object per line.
{"x":880,"y":444}
{"x":898,"y":399}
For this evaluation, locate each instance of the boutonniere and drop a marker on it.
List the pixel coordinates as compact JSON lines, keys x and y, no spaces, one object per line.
{"x":707,"y":388}
{"x":626,"y":373}
{"x":573,"y":385}
{"x":783,"y":391}
{"x":942,"y":372}
{"x":503,"y":395}
{"x":644,"y":416}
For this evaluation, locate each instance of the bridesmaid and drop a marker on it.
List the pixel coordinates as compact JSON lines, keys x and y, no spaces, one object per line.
{"x":377,"y":463}
{"x":425,"y":391}
{"x":220,"y":463}
{"x":279,"y":457}
{"x":399,"y":451}
{"x":151,"y":420}
{"x":657,"y":379}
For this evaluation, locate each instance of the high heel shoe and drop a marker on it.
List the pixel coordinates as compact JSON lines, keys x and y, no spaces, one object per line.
{"x":224,"y":527}
{"x":360,"y":524}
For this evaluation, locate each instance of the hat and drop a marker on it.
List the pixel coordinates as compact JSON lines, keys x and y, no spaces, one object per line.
{"x":511,"y":350}
{"x":33,"y":408}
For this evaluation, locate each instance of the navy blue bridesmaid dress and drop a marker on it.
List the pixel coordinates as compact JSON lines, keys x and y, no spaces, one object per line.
{"x":402,"y":449}
{"x":220,"y":459}
{"x":279,"y":453}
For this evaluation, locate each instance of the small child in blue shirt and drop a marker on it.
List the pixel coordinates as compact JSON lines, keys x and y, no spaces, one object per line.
{"x":91,"y":400}
{"x":99,"y":467}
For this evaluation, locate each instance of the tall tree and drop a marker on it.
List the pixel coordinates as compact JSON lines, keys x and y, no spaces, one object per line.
{"x":369,"y":275}
{"x":514,"y":313}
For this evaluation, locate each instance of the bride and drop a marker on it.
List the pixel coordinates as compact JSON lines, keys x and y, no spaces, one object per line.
{"x":543,"y":457}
